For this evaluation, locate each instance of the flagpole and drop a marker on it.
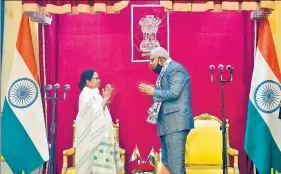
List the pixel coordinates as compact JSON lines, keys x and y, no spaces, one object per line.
{"x":139,"y":153}
{"x":2,"y":4}
{"x":253,"y":16}
{"x":255,"y":37}
{"x":255,"y":49}
{"x":149,"y":154}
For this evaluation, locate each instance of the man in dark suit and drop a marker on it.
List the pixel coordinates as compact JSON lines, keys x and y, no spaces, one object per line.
{"x":171,"y":110}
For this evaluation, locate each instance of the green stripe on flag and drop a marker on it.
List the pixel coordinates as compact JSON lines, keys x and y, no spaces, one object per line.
{"x":17,"y":147}
{"x":259,"y":143}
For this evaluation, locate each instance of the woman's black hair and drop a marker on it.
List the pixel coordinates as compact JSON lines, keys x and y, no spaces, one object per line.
{"x":86,"y":75}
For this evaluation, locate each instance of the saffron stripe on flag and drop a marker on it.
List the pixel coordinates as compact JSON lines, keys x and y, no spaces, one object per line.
{"x":25,"y":47}
{"x":267,"y":48}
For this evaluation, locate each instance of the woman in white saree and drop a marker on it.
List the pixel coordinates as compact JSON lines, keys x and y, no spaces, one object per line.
{"x":95,"y":142}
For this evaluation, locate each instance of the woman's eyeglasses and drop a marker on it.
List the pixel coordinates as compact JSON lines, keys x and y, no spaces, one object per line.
{"x":96,"y":78}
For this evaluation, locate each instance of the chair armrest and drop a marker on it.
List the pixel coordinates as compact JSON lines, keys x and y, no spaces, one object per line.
{"x":69,"y":152}
{"x":234,"y":153}
{"x":122,"y":151}
{"x":66,"y":153}
{"x":122,"y":156}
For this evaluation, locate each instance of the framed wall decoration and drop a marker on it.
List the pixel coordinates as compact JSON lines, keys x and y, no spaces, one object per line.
{"x":150,"y":27}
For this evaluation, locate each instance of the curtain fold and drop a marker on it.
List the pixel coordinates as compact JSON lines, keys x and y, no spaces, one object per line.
{"x":215,"y":5}
{"x":73,"y":6}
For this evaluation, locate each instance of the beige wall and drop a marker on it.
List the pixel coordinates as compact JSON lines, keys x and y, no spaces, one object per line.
{"x":13,"y":13}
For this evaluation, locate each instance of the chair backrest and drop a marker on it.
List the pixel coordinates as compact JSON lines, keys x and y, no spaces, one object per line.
{"x":74,"y":132}
{"x":116,"y":131}
{"x":204,"y":142}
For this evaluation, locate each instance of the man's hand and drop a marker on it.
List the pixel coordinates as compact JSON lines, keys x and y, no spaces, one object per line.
{"x":147,"y":89}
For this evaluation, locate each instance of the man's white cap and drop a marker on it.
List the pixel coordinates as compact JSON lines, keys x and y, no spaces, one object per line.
{"x":159,"y":51}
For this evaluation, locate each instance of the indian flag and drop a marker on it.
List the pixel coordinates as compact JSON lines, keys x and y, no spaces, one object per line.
{"x":263,"y":133}
{"x":24,"y":140}
{"x":135,"y":155}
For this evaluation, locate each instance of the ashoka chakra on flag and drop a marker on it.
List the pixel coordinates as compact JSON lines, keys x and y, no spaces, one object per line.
{"x":267,"y":96}
{"x":22,"y":93}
